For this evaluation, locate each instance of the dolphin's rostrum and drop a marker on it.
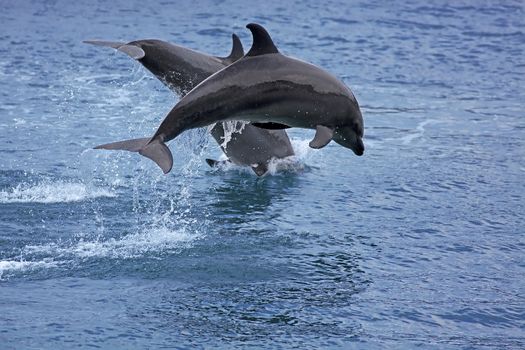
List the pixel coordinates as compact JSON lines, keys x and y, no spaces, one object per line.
{"x":263,"y":87}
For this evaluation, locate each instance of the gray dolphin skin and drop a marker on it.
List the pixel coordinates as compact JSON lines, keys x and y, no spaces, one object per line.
{"x":181,"y":69}
{"x":264,"y":87}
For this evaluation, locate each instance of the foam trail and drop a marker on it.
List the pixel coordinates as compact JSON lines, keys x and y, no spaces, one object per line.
{"x":21,"y":266}
{"x":53,"y":192}
{"x":134,"y":245}
{"x":419,"y":131}
{"x":154,"y":240}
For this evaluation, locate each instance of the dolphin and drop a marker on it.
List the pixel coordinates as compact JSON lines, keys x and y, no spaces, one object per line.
{"x":181,"y":69}
{"x":267,"y":88}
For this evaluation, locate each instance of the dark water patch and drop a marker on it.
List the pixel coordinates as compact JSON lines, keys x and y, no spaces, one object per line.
{"x":517,"y":34}
{"x":334,"y":39}
{"x":410,"y":24}
{"x":339,"y":20}
{"x":213,"y":32}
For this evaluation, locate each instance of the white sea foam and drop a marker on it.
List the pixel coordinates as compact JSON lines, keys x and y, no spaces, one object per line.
{"x":19,"y":121}
{"x":419,"y":132}
{"x":130,"y":246}
{"x":302,"y":149}
{"x":9,"y":266}
{"x":134,"y":245}
{"x":52,"y":192}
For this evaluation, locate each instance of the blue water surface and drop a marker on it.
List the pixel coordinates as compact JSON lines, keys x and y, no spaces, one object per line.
{"x":418,"y":244}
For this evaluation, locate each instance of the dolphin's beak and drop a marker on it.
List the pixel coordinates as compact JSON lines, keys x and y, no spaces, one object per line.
{"x":359,"y":147}
{"x":349,"y":139}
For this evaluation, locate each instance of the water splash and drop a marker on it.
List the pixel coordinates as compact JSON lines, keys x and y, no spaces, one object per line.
{"x":7,"y":267}
{"x":53,"y":192}
{"x":230,"y":127}
{"x":156,"y":240}
{"x":295,"y":163}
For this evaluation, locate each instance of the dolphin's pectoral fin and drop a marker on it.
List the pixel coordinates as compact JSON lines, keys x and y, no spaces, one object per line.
{"x":271,"y":126}
{"x":217,"y":163}
{"x":133,"y":51}
{"x":260,"y":168}
{"x":155,"y":150}
{"x":262,"y":42}
{"x":323,"y":135}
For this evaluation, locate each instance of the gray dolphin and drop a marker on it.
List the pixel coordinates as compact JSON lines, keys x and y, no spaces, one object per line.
{"x":265,"y":87}
{"x":181,"y":69}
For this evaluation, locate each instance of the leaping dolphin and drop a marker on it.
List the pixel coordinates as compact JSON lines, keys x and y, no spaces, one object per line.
{"x":265,"y":87}
{"x":181,"y":69}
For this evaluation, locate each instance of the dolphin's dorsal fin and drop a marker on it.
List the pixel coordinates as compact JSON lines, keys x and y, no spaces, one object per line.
{"x":262,"y":42}
{"x":236,"y":53}
{"x":237,"y":49}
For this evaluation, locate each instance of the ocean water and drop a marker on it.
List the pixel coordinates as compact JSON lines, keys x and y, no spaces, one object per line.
{"x":418,"y":244}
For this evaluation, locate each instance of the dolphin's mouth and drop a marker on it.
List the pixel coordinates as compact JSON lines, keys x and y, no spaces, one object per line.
{"x":352,"y":141}
{"x":359,"y":148}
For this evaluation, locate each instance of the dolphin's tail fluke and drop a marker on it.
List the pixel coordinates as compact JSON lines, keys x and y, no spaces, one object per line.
{"x":133,"y":51}
{"x":159,"y":153}
{"x":153,"y":149}
{"x":113,"y":44}
{"x":134,"y":145}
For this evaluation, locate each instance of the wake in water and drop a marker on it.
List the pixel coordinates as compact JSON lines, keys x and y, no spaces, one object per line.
{"x":159,"y":211}
{"x":53,"y":192}
{"x":166,"y":218}
{"x":151,"y":242}
{"x":154,"y":240}
{"x":8,"y":267}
